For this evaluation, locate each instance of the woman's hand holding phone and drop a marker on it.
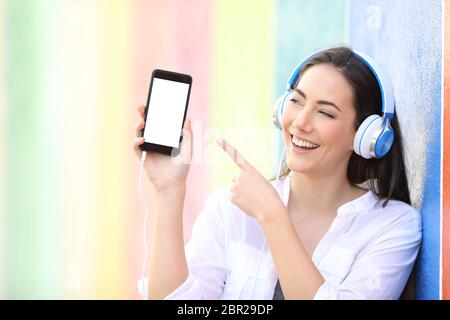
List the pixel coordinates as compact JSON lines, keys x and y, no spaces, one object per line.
{"x":165,"y":172}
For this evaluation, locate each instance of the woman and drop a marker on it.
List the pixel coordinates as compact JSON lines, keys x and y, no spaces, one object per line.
{"x":335,"y":226}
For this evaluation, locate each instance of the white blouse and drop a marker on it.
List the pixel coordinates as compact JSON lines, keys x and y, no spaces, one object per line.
{"x":367,"y":253}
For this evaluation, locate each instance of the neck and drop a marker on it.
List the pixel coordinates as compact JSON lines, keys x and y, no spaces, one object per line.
{"x":321,"y":194}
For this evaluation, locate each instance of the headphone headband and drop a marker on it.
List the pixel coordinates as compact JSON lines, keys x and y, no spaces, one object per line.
{"x":387,"y":94}
{"x":375,"y":136}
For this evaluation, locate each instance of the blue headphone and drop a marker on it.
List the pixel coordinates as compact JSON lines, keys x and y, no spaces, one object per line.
{"x":374,"y":136}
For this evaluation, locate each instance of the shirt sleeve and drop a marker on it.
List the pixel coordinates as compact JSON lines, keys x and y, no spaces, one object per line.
{"x":383,"y":268}
{"x":205,"y":256}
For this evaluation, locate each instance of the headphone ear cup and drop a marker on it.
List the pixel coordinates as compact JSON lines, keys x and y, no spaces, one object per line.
{"x":384,"y":142}
{"x":364,"y":135}
{"x":278,"y":109}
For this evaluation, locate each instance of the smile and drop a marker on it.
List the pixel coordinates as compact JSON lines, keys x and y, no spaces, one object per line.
{"x":303,"y":146}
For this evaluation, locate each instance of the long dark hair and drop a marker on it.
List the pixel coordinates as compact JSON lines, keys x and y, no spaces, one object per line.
{"x":386,"y":177}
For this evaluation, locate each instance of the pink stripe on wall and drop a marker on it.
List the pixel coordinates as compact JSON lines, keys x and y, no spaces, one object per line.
{"x":172,"y":35}
{"x":193,"y":55}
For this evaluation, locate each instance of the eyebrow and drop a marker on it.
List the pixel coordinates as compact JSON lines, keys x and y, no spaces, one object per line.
{"x":300,"y":92}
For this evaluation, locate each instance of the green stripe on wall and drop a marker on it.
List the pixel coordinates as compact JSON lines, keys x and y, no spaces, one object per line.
{"x":33,"y":246}
{"x":2,"y":151}
{"x":21,"y":161}
{"x":302,"y":28}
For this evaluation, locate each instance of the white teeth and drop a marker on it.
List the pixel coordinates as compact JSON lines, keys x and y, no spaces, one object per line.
{"x":303,"y":143}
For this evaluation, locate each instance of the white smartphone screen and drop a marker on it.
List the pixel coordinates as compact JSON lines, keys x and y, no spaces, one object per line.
{"x":165,"y":112}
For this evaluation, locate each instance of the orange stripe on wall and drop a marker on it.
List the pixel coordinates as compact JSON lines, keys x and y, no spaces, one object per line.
{"x":446,"y":164}
{"x":112,"y":219}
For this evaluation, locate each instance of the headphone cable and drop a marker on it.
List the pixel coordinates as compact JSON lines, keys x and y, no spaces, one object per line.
{"x":144,"y":264}
{"x":281,"y":161}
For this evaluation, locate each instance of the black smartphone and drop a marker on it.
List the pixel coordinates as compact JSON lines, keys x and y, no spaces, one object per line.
{"x":165,"y":112}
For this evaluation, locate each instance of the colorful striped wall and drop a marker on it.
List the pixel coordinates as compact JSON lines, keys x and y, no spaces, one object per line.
{"x":74,"y":71}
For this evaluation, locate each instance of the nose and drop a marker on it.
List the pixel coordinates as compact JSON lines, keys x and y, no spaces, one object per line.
{"x":303,"y":121}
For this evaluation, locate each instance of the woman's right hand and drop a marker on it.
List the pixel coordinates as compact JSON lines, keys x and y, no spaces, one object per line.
{"x":165,"y":172}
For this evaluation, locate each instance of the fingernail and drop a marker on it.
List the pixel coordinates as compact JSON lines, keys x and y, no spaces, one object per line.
{"x":219,"y":140}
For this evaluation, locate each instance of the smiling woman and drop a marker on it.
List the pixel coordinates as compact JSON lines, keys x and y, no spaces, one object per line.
{"x":316,"y":233}
{"x":335,"y":94}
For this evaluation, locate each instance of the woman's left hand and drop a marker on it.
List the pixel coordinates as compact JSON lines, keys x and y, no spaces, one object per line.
{"x":250,"y":191}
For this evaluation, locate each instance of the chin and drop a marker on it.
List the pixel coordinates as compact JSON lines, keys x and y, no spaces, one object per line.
{"x":299,"y":166}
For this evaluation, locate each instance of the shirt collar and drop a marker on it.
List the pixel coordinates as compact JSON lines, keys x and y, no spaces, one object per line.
{"x":363,"y":202}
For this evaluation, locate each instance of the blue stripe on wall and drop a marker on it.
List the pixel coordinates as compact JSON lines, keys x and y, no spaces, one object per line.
{"x":405,"y":37}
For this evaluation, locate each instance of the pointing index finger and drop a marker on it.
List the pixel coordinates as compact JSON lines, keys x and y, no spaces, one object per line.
{"x":233,"y":153}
